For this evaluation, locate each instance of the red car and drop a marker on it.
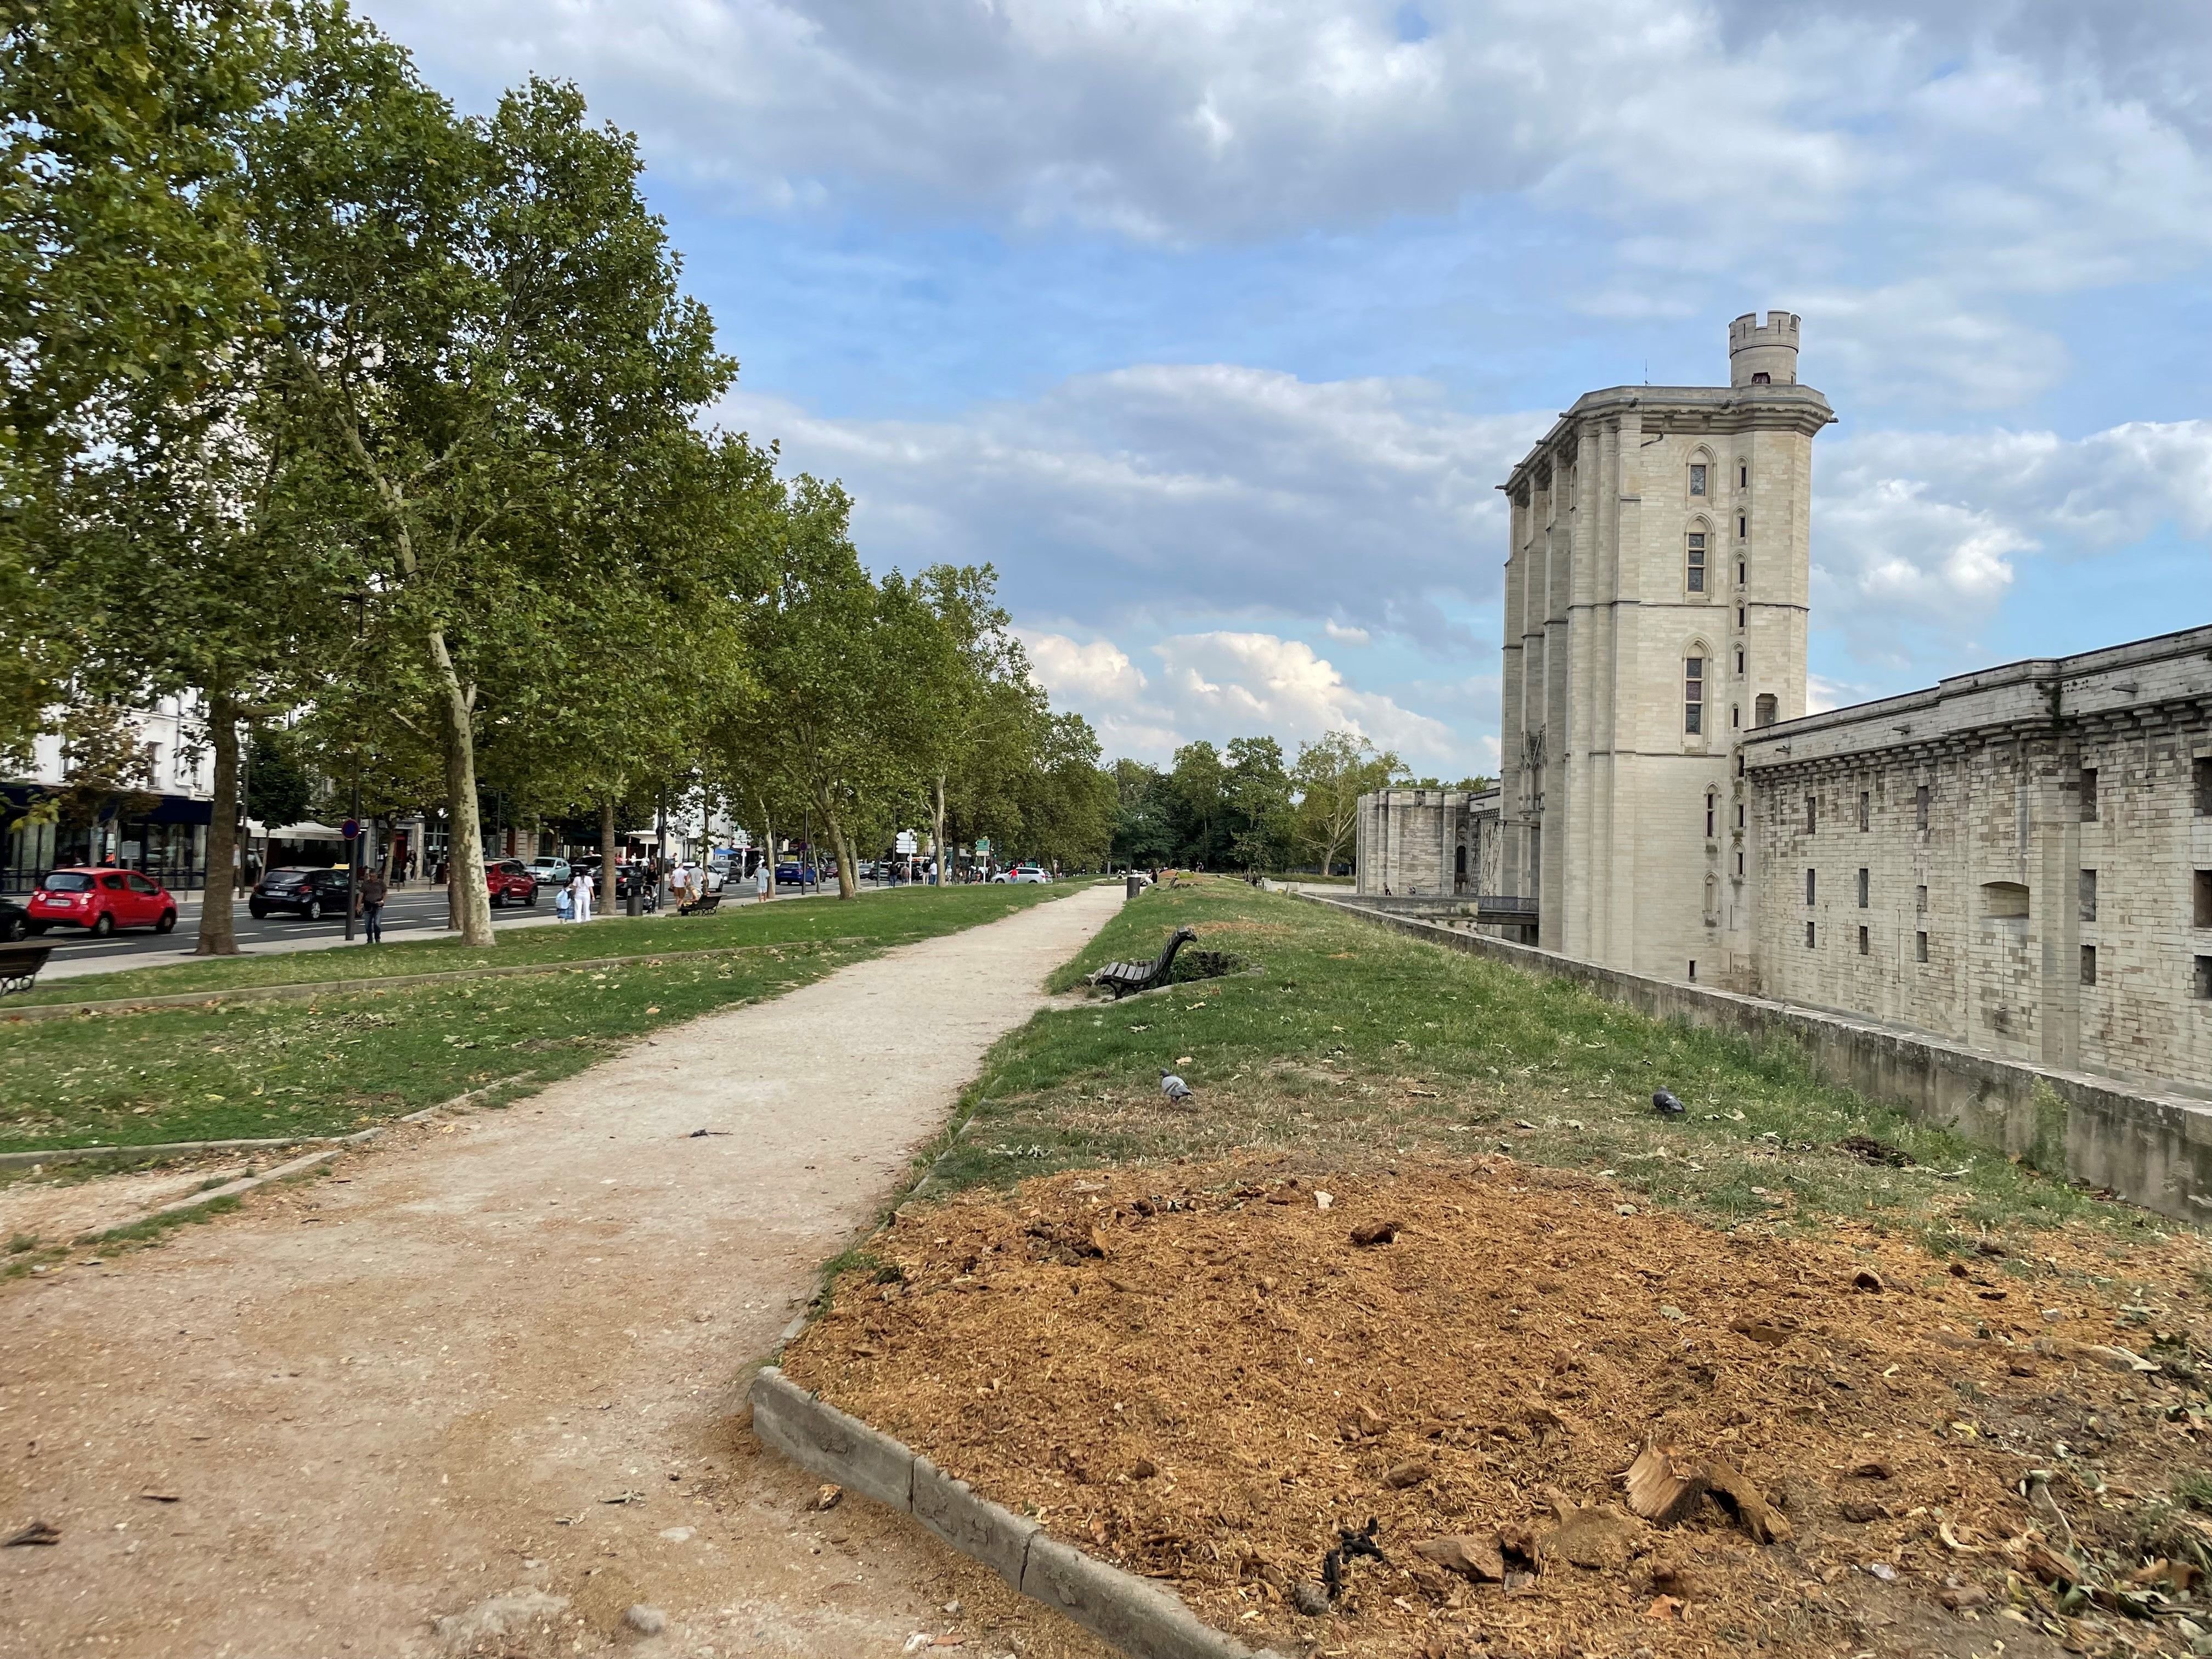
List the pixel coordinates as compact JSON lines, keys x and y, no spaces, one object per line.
{"x":101,"y":901}
{"x":510,"y":882}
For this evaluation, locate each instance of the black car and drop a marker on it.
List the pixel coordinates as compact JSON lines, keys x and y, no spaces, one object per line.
{"x":14,"y":921}
{"x":313,"y":894}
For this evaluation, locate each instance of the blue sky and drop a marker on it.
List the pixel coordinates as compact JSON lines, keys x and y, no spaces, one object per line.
{"x":1213,"y":324}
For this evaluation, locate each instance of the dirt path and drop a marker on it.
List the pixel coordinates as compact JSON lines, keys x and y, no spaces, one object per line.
{"x":408,"y":1393}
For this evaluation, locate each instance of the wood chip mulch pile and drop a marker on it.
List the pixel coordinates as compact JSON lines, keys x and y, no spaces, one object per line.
{"x":1841,"y":1446}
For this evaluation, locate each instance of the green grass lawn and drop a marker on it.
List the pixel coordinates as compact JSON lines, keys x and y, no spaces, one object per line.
{"x":738,"y":922}
{"x":1353,"y":1047}
{"x":340,"y":1062}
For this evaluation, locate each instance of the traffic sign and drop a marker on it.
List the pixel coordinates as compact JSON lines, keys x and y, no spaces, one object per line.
{"x":906,"y":843}
{"x":983,"y":846}
{"x":351,"y":828}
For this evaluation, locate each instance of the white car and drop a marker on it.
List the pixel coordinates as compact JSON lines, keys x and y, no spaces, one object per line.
{"x":1023,"y":874}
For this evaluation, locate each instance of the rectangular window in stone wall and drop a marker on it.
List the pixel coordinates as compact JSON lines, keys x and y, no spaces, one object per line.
{"x":1865,"y":887}
{"x":1693,"y":695}
{"x":1920,"y":797}
{"x":2204,"y":978}
{"x":1920,"y":900}
{"x":2088,"y":896}
{"x":1920,"y":947}
{"x":2088,"y":964}
{"x":1812,"y":813}
{"x":1809,"y":939}
{"x":2203,"y":895}
{"x":1862,"y":941}
{"x":1810,"y":879}
{"x":1697,"y":478}
{"x":1697,"y":571}
{"x":2200,"y":778}
{"x":1866,"y":811}
{"x":2088,"y":794}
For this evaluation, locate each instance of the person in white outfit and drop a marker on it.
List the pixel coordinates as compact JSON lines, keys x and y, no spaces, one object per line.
{"x":580,"y":894}
{"x":764,"y":880}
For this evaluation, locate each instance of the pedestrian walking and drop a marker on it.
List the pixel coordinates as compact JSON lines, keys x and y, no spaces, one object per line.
{"x":764,"y":880}
{"x":679,"y":886}
{"x":580,"y":894}
{"x":373,"y":891}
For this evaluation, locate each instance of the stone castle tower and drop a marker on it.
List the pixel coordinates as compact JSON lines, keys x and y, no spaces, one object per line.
{"x":1655,"y":596}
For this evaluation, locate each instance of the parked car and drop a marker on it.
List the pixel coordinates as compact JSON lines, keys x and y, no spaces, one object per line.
{"x":99,"y":902}
{"x":1024,"y":875}
{"x":791,"y":871}
{"x":510,"y":882}
{"x":313,"y":894}
{"x":14,"y":921}
{"x":550,"y":872}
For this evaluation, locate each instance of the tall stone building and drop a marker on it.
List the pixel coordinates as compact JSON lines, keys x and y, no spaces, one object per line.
{"x":2018,"y":860}
{"x":1656,"y":599}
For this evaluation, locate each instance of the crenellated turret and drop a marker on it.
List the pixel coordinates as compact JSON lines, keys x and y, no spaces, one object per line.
{"x":1764,"y":356}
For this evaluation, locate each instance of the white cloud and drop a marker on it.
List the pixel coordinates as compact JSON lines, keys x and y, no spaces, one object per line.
{"x":1172,"y":493}
{"x":1346,"y":635}
{"x":1222,"y":684}
{"x":2043,"y":143}
{"x":1918,"y":536}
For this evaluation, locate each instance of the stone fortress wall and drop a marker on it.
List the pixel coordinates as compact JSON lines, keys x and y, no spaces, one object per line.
{"x":1426,"y":843}
{"x":1667,"y":809}
{"x":2020,"y":859}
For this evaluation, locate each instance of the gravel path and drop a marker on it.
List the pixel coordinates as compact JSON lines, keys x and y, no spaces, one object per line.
{"x":389,"y":1412}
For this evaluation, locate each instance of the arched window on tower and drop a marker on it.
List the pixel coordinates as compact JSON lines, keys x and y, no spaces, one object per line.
{"x":1693,"y":695}
{"x":1694,"y":578}
{"x":1764,"y":709}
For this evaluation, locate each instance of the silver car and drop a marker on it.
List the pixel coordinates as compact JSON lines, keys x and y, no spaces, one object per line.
{"x":1024,"y":875}
{"x":550,"y":872}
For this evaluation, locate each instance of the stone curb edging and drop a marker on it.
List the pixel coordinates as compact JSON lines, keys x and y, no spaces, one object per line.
{"x":304,"y":990}
{"x":1130,"y":1613}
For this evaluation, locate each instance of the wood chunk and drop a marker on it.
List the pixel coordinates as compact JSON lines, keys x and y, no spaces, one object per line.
{"x":1870,"y":1468}
{"x":1408,"y":1474}
{"x":1862,"y":1509}
{"x":1375,"y":1232}
{"x":1520,"y":1543}
{"x":1866,"y":1279}
{"x":1746,"y":1502}
{"x":1962,"y":1597}
{"x":1469,"y":1554}
{"x":1663,"y":1484}
{"x":1767,"y":1333}
{"x":2050,"y":1565}
{"x":1600,"y":1537}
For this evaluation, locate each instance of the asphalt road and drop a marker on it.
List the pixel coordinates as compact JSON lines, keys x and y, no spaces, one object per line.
{"x":410,"y":913}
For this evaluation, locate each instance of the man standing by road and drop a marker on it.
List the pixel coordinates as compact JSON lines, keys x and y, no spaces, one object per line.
{"x":373,"y":891}
{"x":764,"y":878}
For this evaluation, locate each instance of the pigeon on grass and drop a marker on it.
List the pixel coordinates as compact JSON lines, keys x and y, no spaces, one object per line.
{"x":1664,"y":1103}
{"x":1173,"y":1086}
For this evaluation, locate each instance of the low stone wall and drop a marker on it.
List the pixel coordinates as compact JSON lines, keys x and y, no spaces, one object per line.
{"x":2153,"y":1149}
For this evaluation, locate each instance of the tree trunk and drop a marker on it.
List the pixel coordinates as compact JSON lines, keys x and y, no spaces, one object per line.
{"x":218,"y":935}
{"x":768,"y":841}
{"x":848,"y":867}
{"x":608,"y":884}
{"x":847,"y":887}
{"x":468,"y":899}
{"x":937,"y":829}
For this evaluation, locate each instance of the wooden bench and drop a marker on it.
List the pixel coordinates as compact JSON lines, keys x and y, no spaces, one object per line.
{"x":1123,"y":977}
{"x":20,"y":965}
{"x":702,"y":905}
